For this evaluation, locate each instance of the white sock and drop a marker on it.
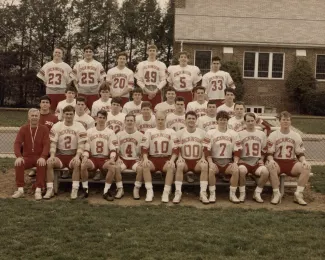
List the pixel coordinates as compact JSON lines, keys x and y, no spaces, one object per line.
{"x":276,"y":190}
{"x":167,"y":188}
{"x":38,"y":190}
{"x":138,"y":184}
{"x":258,"y":190}
{"x":203,"y":185}
{"x":178,"y":185}
{"x":49,"y":185}
{"x":212,"y":188}
{"x":300,"y":189}
{"x":233,"y":189}
{"x":148,"y":185}
{"x":21,"y":189}
{"x":242,"y":189}
{"x":107,"y":186}
{"x":75,"y":184}
{"x":85,"y":184}
{"x":119,"y":185}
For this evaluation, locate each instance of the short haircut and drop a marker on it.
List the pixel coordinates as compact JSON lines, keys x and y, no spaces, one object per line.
{"x":170,"y":89}
{"x":81,"y":99}
{"x":183,"y":53}
{"x":152,"y":46}
{"x":102,"y":112}
{"x":231,"y":90}
{"x":284,"y":114}
{"x":249,"y":114}
{"x":179,"y":99}
{"x":137,"y":90}
{"x":190,"y":113}
{"x":104,"y":86}
{"x":161,"y":113}
{"x":45,"y":97}
{"x":123,"y":53}
{"x":216,"y":58}
{"x":89,"y":47}
{"x":68,"y":109}
{"x":72,"y":89}
{"x":239,"y":103}
{"x":130,"y":115}
{"x":59,"y":48}
{"x":33,"y":110}
{"x":116,"y":100}
{"x":223,"y":114}
{"x":146,"y":104}
{"x":212,"y":102}
{"x":199,"y":88}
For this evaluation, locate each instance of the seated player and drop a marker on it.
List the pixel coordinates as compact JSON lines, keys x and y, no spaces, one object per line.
{"x":99,"y":154}
{"x":104,"y":102}
{"x":134,"y":107}
{"x":229,"y":104}
{"x":115,"y":119}
{"x":35,"y":138}
{"x":146,"y":120}
{"x":159,"y":151}
{"x":68,"y":140}
{"x":129,"y":142}
{"x":251,"y":161}
{"x":237,"y":122}
{"x":191,"y":158}
{"x":167,"y":106}
{"x":81,"y":116}
{"x":200,"y":105}
{"x":208,"y":121}
{"x":223,"y":144}
{"x":47,"y":118}
{"x":286,"y":155}
{"x":70,"y":94}
{"x":176,"y":120}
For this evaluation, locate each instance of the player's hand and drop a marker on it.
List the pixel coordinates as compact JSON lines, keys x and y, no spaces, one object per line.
{"x":84,"y":160}
{"x":76,"y":161}
{"x":19,"y":161}
{"x":119,"y":161}
{"x":233,"y":167}
{"x":213,"y":167}
{"x":180,"y":160}
{"x":151,"y":96}
{"x":203,"y":161}
{"x":170,"y":164}
{"x":145,"y":163}
{"x":51,"y":160}
{"x":306,"y":165}
{"x":41,"y":162}
{"x":271,"y":164}
{"x":111,"y":161}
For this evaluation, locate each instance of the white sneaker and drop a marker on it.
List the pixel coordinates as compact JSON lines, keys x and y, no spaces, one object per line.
{"x":49,"y":193}
{"x":119,"y":193}
{"x":149,"y":196}
{"x":38,"y":195}
{"x":18,"y":194}
{"x":242,"y":196}
{"x":74,"y":193}
{"x":276,"y":198}
{"x":178,"y":197}
{"x":32,"y":173}
{"x":136,"y":193}
{"x":212,"y":197}
{"x":204,"y":197}
{"x":257,"y":197}
{"x":299,"y":198}
{"x":233,"y":198}
{"x":165,"y":197}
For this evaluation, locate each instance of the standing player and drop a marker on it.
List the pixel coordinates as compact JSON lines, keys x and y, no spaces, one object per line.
{"x":120,"y":79}
{"x":159,"y":151}
{"x":229,"y":104}
{"x":224,"y":148}
{"x":200,"y":105}
{"x":46,"y":117}
{"x":68,"y":140}
{"x":169,"y":105}
{"x":129,"y":152}
{"x":104,"y":102}
{"x":99,"y":154}
{"x":88,"y":74}
{"x":151,"y":76}
{"x":237,"y":122}
{"x":70,"y":94}
{"x":134,"y":107}
{"x":183,"y":77}
{"x":55,"y":75}
{"x":35,"y":138}
{"x":252,"y":156}
{"x":191,"y":158}
{"x":208,"y":121}
{"x":115,"y":119}
{"x":81,"y":116}
{"x":216,"y":81}
{"x":284,"y":148}
{"x":146,"y":120}
{"x":176,"y":120}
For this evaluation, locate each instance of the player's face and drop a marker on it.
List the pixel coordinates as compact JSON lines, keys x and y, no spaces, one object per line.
{"x":239,"y":110}
{"x":229,"y":97}
{"x":170,"y":96}
{"x":160,"y":120}
{"x":129,"y":122}
{"x":57,"y":54}
{"x":222,"y":122}
{"x":183,"y":60}
{"x":285,"y":122}
{"x":104,"y":94}
{"x":152,"y":53}
{"x":88,"y":54}
{"x":121,"y":61}
{"x":34,"y":117}
{"x":80,"y":107}
{"x":200,"y":95}
{"x":101,"y":120}
{"x":45,"y":105}
{"x":146,"y":111}
{"x":250,"y":122}
{"x":70,"y":95}
{"x":68,"y":116}
{"x":116,"y":107}
{"x":216,"y":65}
{"x":179,"y":106}
{"x":137,"y":97}
{"x":212,"y":110}
{"x":190,"y":121}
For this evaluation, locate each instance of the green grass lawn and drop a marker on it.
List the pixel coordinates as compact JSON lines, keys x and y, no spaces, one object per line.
{"x":310,"y":125}
{"x":75,"y":230}
{"x":12,"y":118}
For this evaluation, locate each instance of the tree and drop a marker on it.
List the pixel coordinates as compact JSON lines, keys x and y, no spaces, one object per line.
{"x":234,"y":70}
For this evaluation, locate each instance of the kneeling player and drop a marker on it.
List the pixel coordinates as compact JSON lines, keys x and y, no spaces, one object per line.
{"x":284,"y":147}
{"x":100,"y":154}
{"x":191,"y":157}
{"x":223,"y":143}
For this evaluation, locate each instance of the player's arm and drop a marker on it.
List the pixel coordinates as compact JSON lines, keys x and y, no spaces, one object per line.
{"x":197,"y":77}
{"x":130,"y":86}
{"x":162,"y":76}
{"x":169,"y":76}
{"x":140,"y":77}
{"x":41,"y":74}
{"x":205,"y":84}
{"x":230,"y":82}
{"x":144,"y":147}
{"x":102,"y":74}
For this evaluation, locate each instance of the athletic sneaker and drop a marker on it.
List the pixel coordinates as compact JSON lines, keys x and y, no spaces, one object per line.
{"x":257,"y":197}
{"x":149,"y":196}
{"x":38,"y":195}
{"x":74,"y":193}
{"x":204,"y":197}
{"x":299,"y":198}
{"x":119,"y":193}
{"x":212,"y":197}
{"x":108,"y":196}
{"x":178,"y":197}
{"x":233,"y":198}
{"x":18,"y":194}
{"x":84,"y":193}
{"x":276,"y":198}
{"x":136,"y":193}
{"x":242,"y":196}
{"x":49,"y":193}
{"x":165,"y":197}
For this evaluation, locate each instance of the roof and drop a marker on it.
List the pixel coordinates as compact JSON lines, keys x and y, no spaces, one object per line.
{"x":252,"y":22}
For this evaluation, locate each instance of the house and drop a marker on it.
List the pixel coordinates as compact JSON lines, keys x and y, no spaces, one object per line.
{"x":265,"y":37}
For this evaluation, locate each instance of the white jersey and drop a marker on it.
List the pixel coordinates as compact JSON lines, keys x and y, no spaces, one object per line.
{"x":222,"y":145}
{"x":192,"y":144}
{"x":206,"y":122}
{"x":199,"y":109}
{"x":175,"y":122}
{"x":101,"y":143}
{"x":67,"y":138}
{"x":116,"y":123}
{"x":55,"y":76}
{"x":119,"y":80}
{"x":230,"y":110}
{"x":236,"y":124}
{"x":61,"y":105}
{"x":89,"y":76}
{"x":151,"y":74}
{"x":160,"y":143}
{"x":100,"y":105}
{"x":285,"y":146}
{"x":86,"y":120}
{"x":254,"y":146}
{"x":132,"y":108}
{"x":143,"y":125}
{"x":183,"y":78}
{"x":129,"y":145}
{"x":165,"y":107}
{"x":215,"y":84}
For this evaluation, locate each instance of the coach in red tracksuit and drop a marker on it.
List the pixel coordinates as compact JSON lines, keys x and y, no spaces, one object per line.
{"x":35,"y":138}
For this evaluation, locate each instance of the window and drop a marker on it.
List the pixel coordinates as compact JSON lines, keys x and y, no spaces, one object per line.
{"x":263,"y":65}
{"x":320,"y":67}
{"x":203,"y":60}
